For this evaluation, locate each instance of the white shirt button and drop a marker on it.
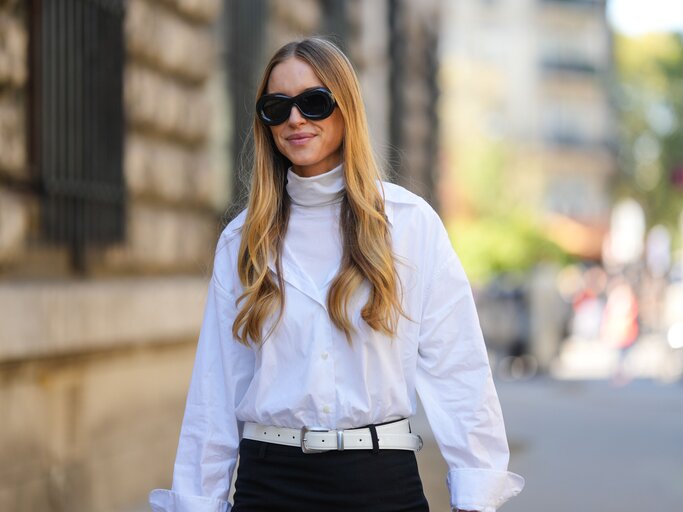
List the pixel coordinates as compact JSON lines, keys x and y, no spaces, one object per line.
{"x":326,"y":409}
{"x":324,"y":355}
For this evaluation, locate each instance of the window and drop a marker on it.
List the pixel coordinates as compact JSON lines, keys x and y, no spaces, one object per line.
{"x":77,"y":129}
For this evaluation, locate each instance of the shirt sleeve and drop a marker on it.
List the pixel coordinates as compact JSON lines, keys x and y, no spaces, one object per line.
{"x":456,"y":388}
{"x":210,"y":433}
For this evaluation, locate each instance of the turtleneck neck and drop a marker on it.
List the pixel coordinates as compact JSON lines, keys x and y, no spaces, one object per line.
{"x":324,"y":189}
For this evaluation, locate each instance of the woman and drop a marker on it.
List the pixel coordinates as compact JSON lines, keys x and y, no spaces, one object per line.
{"x":335,"y":296}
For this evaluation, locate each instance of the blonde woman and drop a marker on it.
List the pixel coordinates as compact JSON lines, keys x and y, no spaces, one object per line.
{"x":336,"y":298}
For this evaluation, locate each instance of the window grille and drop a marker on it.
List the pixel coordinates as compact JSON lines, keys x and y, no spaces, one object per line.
{"x":77,"y":121}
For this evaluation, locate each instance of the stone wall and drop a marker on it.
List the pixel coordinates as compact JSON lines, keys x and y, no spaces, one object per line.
{"x":94,"y":369}
{"x":171,"y":54}
{"x":15,"y":205}
{"x":90,"y":432}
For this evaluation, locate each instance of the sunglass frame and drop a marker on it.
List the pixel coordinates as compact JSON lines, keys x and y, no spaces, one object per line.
{"x":292,"y":101}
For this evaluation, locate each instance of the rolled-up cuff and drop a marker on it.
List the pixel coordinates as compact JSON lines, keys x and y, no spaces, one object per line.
{"x":482,"y":489}
{"x":163,"y":500}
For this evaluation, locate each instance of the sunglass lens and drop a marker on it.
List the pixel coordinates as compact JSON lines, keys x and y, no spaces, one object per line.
{"x":315,"y":104}
{"x":276,"y":110}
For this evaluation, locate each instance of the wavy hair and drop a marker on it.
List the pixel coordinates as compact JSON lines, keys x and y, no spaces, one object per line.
{"x":367,"y":254}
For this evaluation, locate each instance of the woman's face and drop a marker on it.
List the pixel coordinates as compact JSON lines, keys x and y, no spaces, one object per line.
{"x":313,"y":147}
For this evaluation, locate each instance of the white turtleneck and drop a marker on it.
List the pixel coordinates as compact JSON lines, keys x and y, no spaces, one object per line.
{"x":313,"y":236}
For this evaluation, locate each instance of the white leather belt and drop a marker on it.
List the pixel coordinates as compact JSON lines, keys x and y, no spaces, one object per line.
{"x":392,"y":436}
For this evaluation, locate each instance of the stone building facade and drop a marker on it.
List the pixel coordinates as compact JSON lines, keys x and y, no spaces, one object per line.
{"x":97,"y":340}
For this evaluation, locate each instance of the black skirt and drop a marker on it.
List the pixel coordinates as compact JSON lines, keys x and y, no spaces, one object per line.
{"x":276,"y":478}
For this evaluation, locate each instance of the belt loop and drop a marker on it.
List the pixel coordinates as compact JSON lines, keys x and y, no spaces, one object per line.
{"x":375,"y":439}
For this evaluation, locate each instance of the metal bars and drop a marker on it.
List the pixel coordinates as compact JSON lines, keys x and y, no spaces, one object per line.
{"x":77,"y":127}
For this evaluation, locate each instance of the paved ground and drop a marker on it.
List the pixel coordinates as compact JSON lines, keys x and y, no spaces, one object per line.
{"x":585,"y":445}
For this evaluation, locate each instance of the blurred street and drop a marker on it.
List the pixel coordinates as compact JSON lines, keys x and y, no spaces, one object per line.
{"x":584,"y":445}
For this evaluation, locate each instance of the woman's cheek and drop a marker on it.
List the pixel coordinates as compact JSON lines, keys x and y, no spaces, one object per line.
{"x":280,"y":146}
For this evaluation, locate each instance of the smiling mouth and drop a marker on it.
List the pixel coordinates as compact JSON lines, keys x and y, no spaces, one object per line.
{"x":299,"y":139}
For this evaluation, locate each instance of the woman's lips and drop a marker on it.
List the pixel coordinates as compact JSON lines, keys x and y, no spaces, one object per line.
{"x":300,"y":139}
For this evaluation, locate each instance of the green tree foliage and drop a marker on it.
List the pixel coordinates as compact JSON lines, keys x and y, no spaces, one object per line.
{"x":501,"y":234}
{"x":496,"y":244}
{"x":649,"y":96}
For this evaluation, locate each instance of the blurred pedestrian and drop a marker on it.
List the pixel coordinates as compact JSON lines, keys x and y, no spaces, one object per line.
{"x":588,"y":305}
{"x":620,"y":325}
{"x":335,"y":296}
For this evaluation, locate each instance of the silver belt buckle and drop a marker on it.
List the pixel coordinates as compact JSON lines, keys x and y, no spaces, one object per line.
{"x":304,"y":431}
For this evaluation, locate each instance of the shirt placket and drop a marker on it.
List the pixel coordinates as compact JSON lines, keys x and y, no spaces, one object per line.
{"x":322,"y":365}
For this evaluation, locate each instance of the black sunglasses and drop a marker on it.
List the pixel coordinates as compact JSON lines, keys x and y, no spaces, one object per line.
{"x":315,"y":104}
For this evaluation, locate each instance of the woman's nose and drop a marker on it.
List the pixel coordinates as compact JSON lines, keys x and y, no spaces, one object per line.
{"x":295,"y":116}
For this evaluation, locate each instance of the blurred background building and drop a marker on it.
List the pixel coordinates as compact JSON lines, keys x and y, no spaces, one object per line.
{"x":529,"y":138}
{"x":527,"y":83}
{"x":550,"y":145}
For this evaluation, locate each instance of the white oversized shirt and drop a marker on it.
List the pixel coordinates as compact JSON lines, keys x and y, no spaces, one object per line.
{"x":306,"y":374}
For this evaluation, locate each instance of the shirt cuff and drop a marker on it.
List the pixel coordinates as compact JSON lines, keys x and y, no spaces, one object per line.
{"x":482,"y":489}
{"x":163,"y":500}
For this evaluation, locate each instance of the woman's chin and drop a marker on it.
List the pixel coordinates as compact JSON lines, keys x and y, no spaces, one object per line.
{"x":303,"y":162}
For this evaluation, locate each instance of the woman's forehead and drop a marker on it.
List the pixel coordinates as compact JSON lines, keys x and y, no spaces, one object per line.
{"x":291,"y":77}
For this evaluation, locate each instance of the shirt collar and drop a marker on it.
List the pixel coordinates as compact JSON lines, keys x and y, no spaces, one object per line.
{"x":388,"y":205}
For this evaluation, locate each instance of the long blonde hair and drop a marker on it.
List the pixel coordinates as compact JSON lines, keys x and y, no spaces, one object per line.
{"x":367,"y":253}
